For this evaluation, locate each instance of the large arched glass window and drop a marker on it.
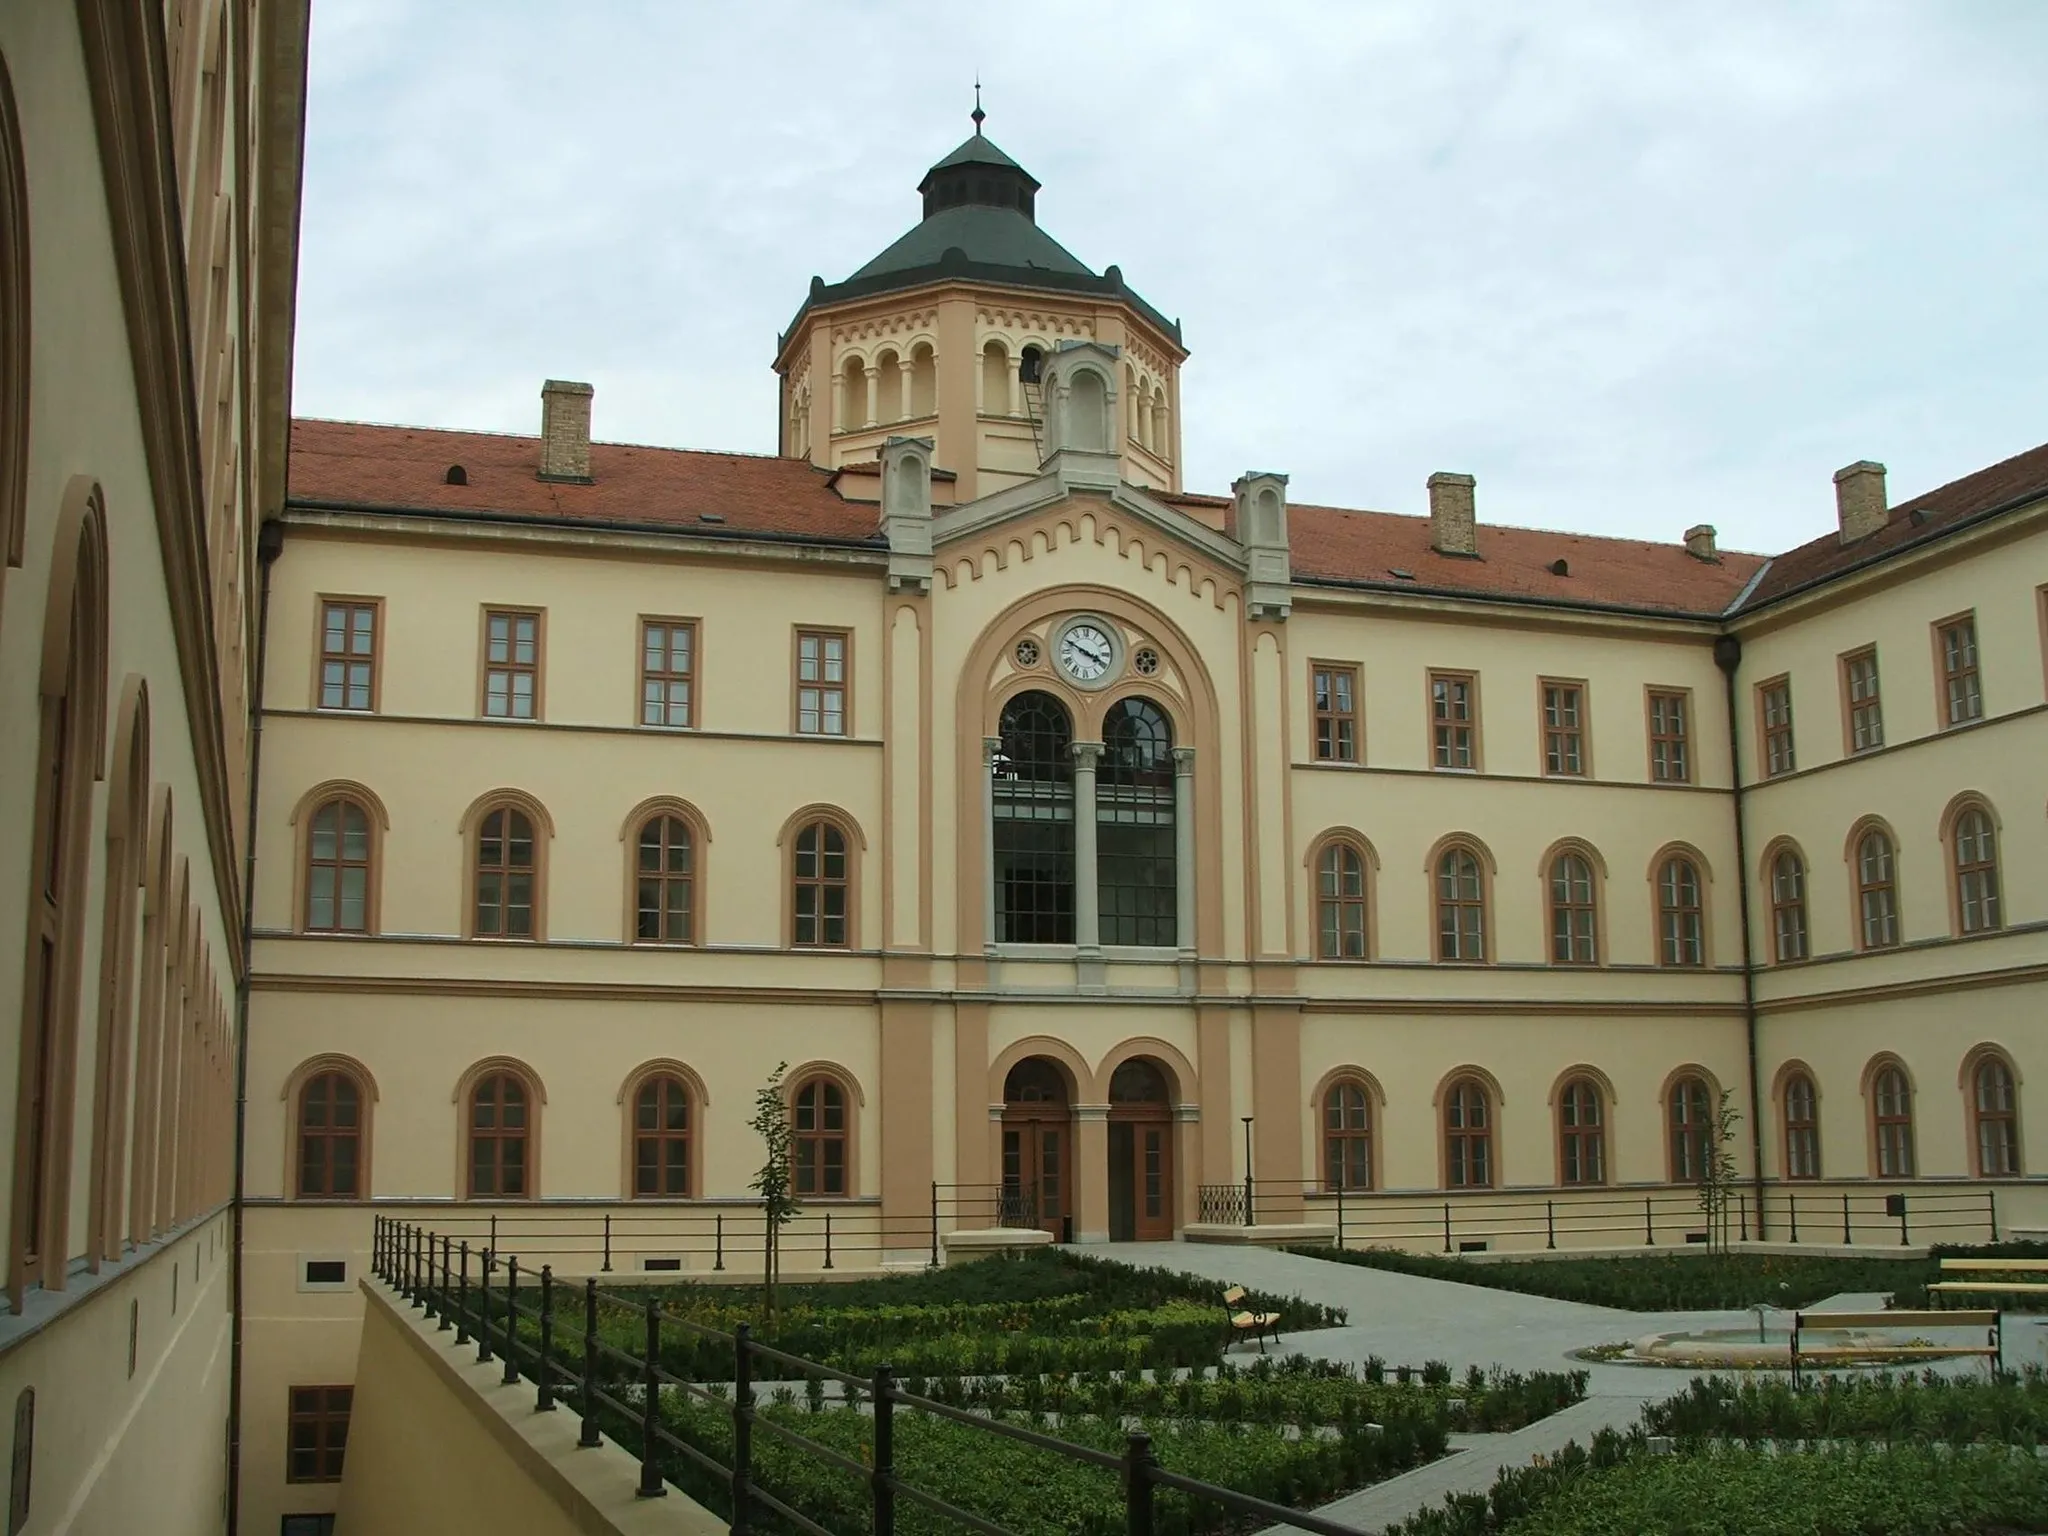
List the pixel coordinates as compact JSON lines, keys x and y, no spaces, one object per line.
{"x":1788,"y":906}
{"x":1802,"y":1128}
{"x":820,"y":1128}
{"x":1340,"y":902}
{"x":1468,"y":1135}
{"x":1877,"y":892}
{"x":1581,"y":1134}
{"x":1691,"y":1112}
{"x":819,"y":890}
{"x":504,"y":875}
{"x":1033,"y":835}
{"x":1347,"y":1136}
{"x":1134,"y":856}
{"x":665,"y":883}
{"x":1994,"y":1106}
{"x":1460,"y":906}
{"x":1573,"y":926}
{"x":330,"y":1137}
{"x":1681,"y":925}
{"x":1891,"y":1122}
{"x":661,"y":1137}
{"x":498,"y":1137}
{"x":338,"y":869}
{"x":1976,"y":866}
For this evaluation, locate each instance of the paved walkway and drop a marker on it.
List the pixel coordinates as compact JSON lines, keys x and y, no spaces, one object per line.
{"x":1406,"y":1319}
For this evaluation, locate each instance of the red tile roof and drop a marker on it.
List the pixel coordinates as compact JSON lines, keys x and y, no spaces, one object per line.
{"x":359,"y":465}
{"x":2013,"y":482}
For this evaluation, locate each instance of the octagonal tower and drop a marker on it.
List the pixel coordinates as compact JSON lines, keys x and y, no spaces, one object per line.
{"x":942,"y":336}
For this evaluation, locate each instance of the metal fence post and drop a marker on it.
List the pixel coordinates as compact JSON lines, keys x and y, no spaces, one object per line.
{"x":607,"y":1243}
{"x":590,"y":1436}
{"x":742,"y":1431}
{"x":1904,"y":1239}
{"x":1742,"y":1212}
{"x":1550,"y":1223}
{"x":377,"y":1246}
{"x":651,"y":1485}
{"x":1846,"y":1238}
{"x":462,"y":1297}
{"x":1447,"y":1226}
{"x":511,"y":1375}
{"x":483,"y":1327}
{"x":1340,"y":1215}
{"x":828,"y":1239}
{"x":1991,"y":1203}
{"x":884,"y":1478}
{"x":1649,"y":1230}
{"x":1138,"y":1465}
{"x":935,"y":1223}
{"x":718,"y":1259}
{"x":447,"y":1286}
{"x":544,"y":1399}
{"x":420,"y":1297}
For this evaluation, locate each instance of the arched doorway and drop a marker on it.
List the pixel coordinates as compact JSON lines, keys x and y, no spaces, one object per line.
{"x":1140,"y":1153}
{"x":1038,"y":1144}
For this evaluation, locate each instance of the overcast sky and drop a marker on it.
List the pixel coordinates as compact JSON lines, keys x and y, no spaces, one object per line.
{"x":1633,"y":265}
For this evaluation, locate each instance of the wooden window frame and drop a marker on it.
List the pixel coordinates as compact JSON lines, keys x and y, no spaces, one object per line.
{"x":543,"y":827}
{"x":822,"y":633}
{"x":629,"y":1132}
{"x":321,"y":1416}
{"x":1339,"y":1137}
{"x":343,"y":801}
{"x":1946,"y":677}
{"x":1777,"y":745}
{"x":1790,"y":1128}
{"x":1581,"y":1133}
{"x":792,"y":879}
{"x":691,"y":677}
{"x":1592,"y":906}
{"x":1874,"y":1078}
{"x":1438,"y":906}
{"x":1974,"y":1067}
{"x":667,"y":1086}
{"x":473,"y":1082}
{"x":1668,"y":908}
{"x":1682,"y":738}
{"x":321,"y":657}
{"x":1470,"y":725}
{"x":1862,"y":889}
{"x":292,"y":1098}
{"x":1987,"y":871}
{"x":1686,"y":1139}
{"x":820,"y":1136}
{"x":1368,"y":865}
{"x":1780,"y":904}
{"x":1580,"y":734}
{"x":1863,"y":715}
{"x":328,"y":1134}
{"x":1335,"y":719}
{"x":691,"y":878}
{"x":538,"y":668}
{"x":1487,"y":1137}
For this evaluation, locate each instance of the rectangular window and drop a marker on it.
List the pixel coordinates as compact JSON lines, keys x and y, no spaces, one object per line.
{"x":1336,"y":707}
{"x":1774,"y":708}
{"x":1453,"y":709}
{"x":1670,"y":737}
{"x":319,"y":1433}
{"x":348,"y":654}
{"x":1962,"y":691}
{"x":1866,"y":711}
{"x":668,"y":672}
{"x":511,"y":665}
{"x":1564,"y":729}
{"x":822,"y":677}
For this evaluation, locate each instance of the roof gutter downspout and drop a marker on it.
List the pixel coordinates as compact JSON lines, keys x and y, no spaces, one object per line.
{"x":269,"y":545}
{"x":1728,"y":656}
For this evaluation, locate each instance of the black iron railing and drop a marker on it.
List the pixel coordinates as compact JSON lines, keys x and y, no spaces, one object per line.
{"x":1223,"y":1205}
{"x":519,"y":1316}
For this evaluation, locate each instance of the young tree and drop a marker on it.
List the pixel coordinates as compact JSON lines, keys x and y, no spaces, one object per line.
{"x":776,"y":1182}
{"x":1718,"y":1172}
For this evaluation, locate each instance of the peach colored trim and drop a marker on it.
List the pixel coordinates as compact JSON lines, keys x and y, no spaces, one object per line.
{"x":700,"y":865}
{"x":301,"y":823}
{"x":700,"y":1099}
{"x":793,"y":1082}
{"x":1369,"y":863}
{"x":1182,"y":1081}
{"x":1546,"y":892}
{"x":1486,"y":1078}
{"x":149,"y":1018}
{"x":1059,"y":1052}
{"x":126,"y":832}
{"x":1488,"y":868}
{"x":1787,"y":1070}
{"x":1868,"y":1087}
{"x":15,"y":328}
{"x":536,"y":1100}
{"x":1705,"y":871}
{"x":292,"y":1095}
{"x":1966,"y":1081}
{"x":543,"y":836}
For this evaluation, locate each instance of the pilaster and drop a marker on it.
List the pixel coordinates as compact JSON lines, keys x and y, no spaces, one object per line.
{"x":1091,"y":1173}
{"x":958,"y":363}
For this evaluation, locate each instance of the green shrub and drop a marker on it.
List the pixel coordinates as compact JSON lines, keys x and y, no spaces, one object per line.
{"x":1956,"y":1410}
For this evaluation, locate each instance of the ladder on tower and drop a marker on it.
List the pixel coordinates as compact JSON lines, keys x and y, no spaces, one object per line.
{"x":1033,"y":393}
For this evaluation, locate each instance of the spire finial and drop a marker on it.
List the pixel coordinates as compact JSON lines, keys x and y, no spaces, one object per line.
{"x":977,"y":114}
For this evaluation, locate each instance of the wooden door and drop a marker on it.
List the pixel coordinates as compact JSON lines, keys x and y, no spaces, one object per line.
{"x":1035,"y":1172}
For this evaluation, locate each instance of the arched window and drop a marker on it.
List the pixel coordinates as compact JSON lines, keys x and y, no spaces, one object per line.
{"x":1340,"y":902}
{"x":1347,"y":1136}
{"x":1694,"y":1138}
{"x":1788,"y":906}
{"x":338,"y":873}
{"x":1994,"y":1107}
{"x":498,"y":1129}
{"x":1975,"y":851}
{"x":995,"y":380}
{"x":506,"y":878}
{"x":1134,"y":854}
{"x":820,"y":888}
{"x":853,"y":396}
{"x":820,"y":1125}
{"x":889,"y":382}
{"x":1681,"y":924}
{"x":1877,"y":893}
{"x":1581,"y":1134}
{"x":1573,"y":918}
{"x":1802,"y":1128}
{"x":1032,"y":794}
{"x":661,"y":1137}
{"x":1891,"y":1117}
{"x":14,"y":331}
{"x":665,"y":883}
{"x":330,"y":1137}
{"x":1460,"y":906}
{"x":924,"y":381}
{"x":1468,"y":1135}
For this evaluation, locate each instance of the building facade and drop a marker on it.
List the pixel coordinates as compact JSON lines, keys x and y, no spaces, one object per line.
{"x":149,"y":189}
{"x":1077,"y":846}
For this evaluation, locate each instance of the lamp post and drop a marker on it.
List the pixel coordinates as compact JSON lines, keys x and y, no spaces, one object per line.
{"x":1247,"y":1169}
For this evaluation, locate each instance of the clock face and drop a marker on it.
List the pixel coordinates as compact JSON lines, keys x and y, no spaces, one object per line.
{"x":1085,"y":653}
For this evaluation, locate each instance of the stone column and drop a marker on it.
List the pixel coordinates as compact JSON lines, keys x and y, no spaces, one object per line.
{"x":842,"y":408}
{"x":1016,"y":406}
{"x":903,"y":370}
{"x":1091,"y":1173}
{"x":1184,"y":850}
{"x":990,"y":745}
{"x":874,"y":388}
{"x":1087,"y":918}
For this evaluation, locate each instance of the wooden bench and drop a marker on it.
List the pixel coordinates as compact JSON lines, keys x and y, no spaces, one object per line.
{"x":1945,"y":1287}
{"x":1993,"y":1348}
{"x":1259,"y":1325}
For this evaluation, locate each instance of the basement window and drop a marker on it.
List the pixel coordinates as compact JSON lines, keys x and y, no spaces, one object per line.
{"x":661,"y":1266}
{"x":456,"y":475}
{"x":323,"y":1272}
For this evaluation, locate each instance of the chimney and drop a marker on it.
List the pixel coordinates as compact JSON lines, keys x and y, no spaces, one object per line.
{"x":1859,"y":500}
{"x":565,"y":431}
{"x":1452,"y":529}
{"x":1699,"y":543}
